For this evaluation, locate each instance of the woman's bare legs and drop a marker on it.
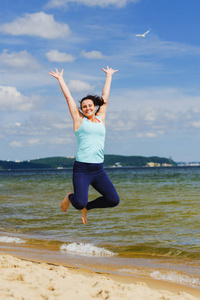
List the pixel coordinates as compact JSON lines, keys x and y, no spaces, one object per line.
{"x":84,"y":215}
{"x":65,"y":203}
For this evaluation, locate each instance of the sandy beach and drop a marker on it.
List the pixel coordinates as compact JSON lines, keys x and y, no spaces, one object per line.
{"x":25,"y":279}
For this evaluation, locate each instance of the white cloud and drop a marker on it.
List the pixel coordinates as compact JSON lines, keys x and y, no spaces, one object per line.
{"x":153,"y":46}
{"x":156,"y":99}
{"x":79,"y":86}
{"x":18,"y":124}
{"x":11,"y":99}
{"x":101,"y":3}
{"x":147,"y":134}
{"x":37,"y":24}
{"x":16,"y":144}
{"x":174,"y":48}
{"x":20,"y":59}
{"x":92,"y":54}
{"x":120,"y":123}
{"x":30,"y":142}
{"x":60,"y":141}
{"x":35,"y":124}
{"x":152,"y":112}
{"x":61,"y":125}
{"x":38,"y":142}
{"x":55,"y":55}
{"x":196,"y":124}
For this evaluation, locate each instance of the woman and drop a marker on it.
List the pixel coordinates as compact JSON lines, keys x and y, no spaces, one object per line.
{"x":89,"y":127}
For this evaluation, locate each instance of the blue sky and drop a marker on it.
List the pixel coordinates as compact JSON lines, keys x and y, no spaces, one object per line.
{"x":154,"y":105}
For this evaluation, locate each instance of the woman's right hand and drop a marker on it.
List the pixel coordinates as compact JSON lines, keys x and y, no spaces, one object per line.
{"x":57,"y":75}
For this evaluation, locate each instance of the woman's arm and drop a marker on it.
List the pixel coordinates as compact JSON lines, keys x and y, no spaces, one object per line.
{"x":74,"y":111}
{"x":106,"y":91}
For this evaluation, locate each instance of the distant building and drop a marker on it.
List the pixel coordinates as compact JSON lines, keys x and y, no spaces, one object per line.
{"x":166,"y":165}
{"x":153,"y":164}
{"x":188,"y":164}
{"x":117,"y":165}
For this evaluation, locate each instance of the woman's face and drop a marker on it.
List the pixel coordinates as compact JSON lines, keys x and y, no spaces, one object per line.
{"x":88,"y":108}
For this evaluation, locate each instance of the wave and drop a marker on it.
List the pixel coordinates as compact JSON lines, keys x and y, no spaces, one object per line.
{"x":9,"y":239}
{"x":176,"y":277}
{"x":169,"y":276}
{"x":143,"y":250}
{"x":86,"y":249}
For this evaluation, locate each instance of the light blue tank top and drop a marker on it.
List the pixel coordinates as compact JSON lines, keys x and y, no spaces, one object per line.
{"x":91,"y":140}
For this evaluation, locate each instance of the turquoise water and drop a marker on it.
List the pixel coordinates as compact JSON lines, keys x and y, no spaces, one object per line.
{"x":158,"y":217}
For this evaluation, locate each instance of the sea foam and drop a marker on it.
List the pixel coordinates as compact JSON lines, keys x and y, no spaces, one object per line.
{"x":86,"y":249}
{"x":176,"y":277}
{"x":9,"y":239}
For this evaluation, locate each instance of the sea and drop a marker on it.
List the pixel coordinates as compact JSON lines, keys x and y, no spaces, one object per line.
{"x":153,"y":233}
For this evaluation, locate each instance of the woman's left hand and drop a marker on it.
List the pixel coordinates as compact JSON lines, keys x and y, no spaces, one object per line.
{"x":109,"y":71}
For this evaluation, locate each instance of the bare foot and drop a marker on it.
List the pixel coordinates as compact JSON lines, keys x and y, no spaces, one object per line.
{"x":84,"y":215}
{"x":65,"y":203}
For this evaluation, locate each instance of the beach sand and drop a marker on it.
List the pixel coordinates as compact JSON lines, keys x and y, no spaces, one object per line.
{"x":25,"y":280}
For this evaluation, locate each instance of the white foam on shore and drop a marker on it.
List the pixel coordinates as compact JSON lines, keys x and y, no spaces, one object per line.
{"x":176,"y":277}
{"x":9,"y":239}
{"x":170,"y":276}
{"x":86,"y":249}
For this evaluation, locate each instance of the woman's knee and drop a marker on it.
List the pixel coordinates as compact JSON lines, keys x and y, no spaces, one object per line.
{"x":77,"y":204}
{"x":114,"y":200}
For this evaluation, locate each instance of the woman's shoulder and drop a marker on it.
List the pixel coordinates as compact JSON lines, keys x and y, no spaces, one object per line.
{"x":101,"y":118}
{"x":78,"y":122}
{"x":98,"y":117}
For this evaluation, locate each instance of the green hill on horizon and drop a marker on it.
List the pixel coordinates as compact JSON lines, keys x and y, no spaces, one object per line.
{"x":67,"y":162}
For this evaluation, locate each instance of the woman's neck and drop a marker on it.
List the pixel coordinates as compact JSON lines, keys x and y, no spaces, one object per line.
{"x":93,"y":119}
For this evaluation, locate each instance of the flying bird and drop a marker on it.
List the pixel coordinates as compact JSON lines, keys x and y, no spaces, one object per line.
{"x":143,"y":35}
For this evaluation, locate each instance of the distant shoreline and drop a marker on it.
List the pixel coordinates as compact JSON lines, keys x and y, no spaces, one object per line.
{"x":115,"y":161}
{"x":109,"y":168}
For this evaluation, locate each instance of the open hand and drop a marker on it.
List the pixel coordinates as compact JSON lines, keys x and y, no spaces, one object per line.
{"x":109,"y":71}
{"x":57,"y":74}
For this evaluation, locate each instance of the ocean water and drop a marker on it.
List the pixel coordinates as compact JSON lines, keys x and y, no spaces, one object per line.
{"x":154,"y":232}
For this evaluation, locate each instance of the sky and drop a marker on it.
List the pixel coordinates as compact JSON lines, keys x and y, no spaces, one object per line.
{"x":154,"y":104}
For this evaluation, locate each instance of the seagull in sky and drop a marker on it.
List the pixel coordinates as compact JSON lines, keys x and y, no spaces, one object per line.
{"x":143,"y":35}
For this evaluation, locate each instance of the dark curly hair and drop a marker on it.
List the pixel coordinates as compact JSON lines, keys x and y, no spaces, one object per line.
{"x":98,"y":101}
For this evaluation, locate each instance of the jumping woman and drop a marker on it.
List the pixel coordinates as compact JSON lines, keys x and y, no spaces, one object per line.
{"x":89,"y":128}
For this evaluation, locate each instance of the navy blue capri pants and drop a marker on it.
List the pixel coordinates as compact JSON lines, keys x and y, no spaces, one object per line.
{"x":86,"y":174}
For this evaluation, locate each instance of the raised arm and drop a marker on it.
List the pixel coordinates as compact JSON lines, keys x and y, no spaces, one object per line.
{"x":70,"y":101}
{"x":106,"y":91}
